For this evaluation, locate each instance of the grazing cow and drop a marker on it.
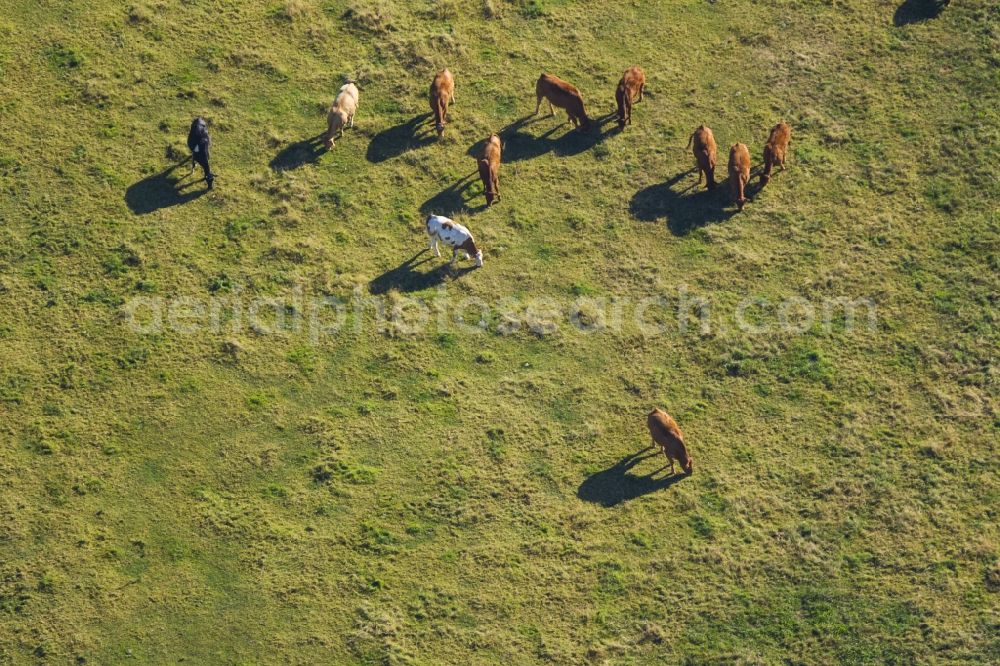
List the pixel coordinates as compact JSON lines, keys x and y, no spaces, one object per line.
{"x":629,"y":90}
{"x":775,"y":150}
{"x":198,"y":144}
{"x":454,"y":235}
{"x":345,"y":104}
{"x":442,"y":94}
{"x":739,"y":173}
{"x":489,"y":169}
{"x":665,"y":433}
{"x":565,"y":96}
{"x":704,"y":153}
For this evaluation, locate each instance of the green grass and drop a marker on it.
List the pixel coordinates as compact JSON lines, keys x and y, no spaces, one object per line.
{"x":425,"y":494}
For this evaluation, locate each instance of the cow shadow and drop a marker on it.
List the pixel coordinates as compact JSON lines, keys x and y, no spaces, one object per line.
{"x":685,"y":208}
{"x":519,"y":144}
{"x":574,"y":143}
{"x":618,"y":483}
{"x":396,"y":140}
{"x":406,"y":277}
{"x":454,"y":198}
{"x":915,"y":11}
{"x":299,"y":153}
{"x":162,"y":190}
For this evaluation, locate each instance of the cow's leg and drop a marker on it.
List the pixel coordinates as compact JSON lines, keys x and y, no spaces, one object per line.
{"x":538,"y":104}
{"x":700,"y":172}
{"x":454,"y":255}
{"x":351,"y":121}
{"x":552,"y":111}
{"x":202,"y":161}
{"x":641,"y":87}
{"x":434,"y":246}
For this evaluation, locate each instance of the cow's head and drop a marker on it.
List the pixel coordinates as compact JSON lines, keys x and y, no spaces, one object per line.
{"x":479,"y":258}
{"x":440,"y":129}
{"x":688,"y":465}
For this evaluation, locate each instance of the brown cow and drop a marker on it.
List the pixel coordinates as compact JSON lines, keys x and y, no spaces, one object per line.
{"x":632,"y":83}
{"x":739,"y":172}
{"x":704,"y":153}
{"x":775,"y":150}
{"x":670,"y":439}
{"x":442,"y":94}
{"x":565,"y":96}
{"x":489,"y":169}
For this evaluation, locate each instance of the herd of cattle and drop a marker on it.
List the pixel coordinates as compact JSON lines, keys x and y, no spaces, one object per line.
{"x":557,"y":93}
{"x":560,"y":94}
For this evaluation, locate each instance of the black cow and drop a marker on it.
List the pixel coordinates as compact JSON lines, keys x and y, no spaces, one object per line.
{"x":198,"y":143}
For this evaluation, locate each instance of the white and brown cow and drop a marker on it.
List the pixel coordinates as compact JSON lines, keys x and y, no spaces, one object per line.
{"x":444,"y":230}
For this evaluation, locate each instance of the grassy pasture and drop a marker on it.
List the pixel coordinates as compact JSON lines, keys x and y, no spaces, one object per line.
{"x":395,"y":492}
